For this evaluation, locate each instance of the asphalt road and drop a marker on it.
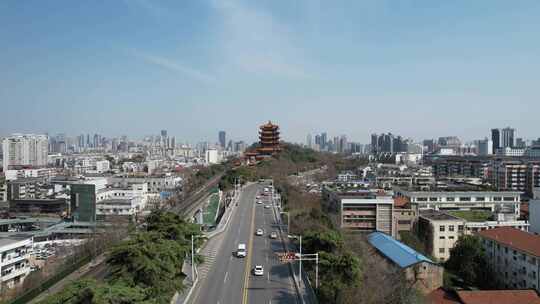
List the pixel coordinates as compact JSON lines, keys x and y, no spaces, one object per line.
{"x":230,"y":280}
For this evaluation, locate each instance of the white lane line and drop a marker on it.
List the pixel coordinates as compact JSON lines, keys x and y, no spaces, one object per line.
{"x":230,"y":258}
{"x":226,"y":276}
{"x":268,"y":275}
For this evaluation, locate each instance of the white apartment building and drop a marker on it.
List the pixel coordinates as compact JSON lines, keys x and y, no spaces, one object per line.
{"x":156,"y":184}
{"x":212,"y":156}
{"x":14,"y":263}
{"x":28,"y":173}
{"x":504,"y":203}
{"x":122,"y":201}
{"x":514,"y":256}
{"x":103,"y":166}
{"x":25,"y":150}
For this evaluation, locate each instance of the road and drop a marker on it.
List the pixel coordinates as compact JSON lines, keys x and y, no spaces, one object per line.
{"x":226,"y":279}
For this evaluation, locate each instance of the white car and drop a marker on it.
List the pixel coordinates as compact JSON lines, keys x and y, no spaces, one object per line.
{"x":259,"y":232}
{"x":273,"y":235}
{"x":258,"y":197}
{"x":259,"y":202}
{"x":258,"y":270}
{"x":266,"y":206}
{"x":241,"y":252}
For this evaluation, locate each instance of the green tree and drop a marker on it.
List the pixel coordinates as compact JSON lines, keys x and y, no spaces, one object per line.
{"x":327,"y":240}
{"x":468,"y":261}
{"x":339,"y":272}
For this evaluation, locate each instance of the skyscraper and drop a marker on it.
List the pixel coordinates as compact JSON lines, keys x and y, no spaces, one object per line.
{"x":222,"y":139}
{"x":308,"y":141}
{"x":507,"y":137}
{"x":496,"y":139}
{"x":324,"y":140}
{"x":25,"y":150}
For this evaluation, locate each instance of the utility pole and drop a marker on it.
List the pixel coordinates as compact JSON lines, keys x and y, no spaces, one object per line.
{"x":300,"y":260}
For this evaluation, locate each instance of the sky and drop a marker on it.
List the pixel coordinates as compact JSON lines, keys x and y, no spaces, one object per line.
{"x":420,"y":69}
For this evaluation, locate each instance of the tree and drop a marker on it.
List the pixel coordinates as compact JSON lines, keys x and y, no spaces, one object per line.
{"x":468,"y":261}
{"x":327,"y":240}
{"x":339,"y":272}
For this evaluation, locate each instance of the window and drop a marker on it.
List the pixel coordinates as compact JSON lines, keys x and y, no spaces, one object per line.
{"x":450,"y":199}
{"x":422,"y":199}
{"x":460,"y":228}
{"x":480,"y":199}
{"x":441,"y":228}
{"x":464,"y":199}
{"x":441,"y":250}
{"x":451,"y":237}
{"x":505,"y":249}
{"x":441,"y":238}
{"x":497,"y":198}
{"x":451,"y":228}
{"x":508,"y":199}
{"x":432,"y":199}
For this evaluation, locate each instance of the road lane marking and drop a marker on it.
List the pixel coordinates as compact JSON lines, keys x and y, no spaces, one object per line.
{"x":226,"y":275}
{"x":248,"y":262}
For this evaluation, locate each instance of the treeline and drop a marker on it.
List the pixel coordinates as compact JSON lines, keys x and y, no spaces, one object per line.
{"x":145,"y":268}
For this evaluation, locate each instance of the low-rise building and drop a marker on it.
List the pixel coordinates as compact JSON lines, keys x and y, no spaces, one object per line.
{"x":440,"y":232}
{"x":506,"y":204}
{"x":362,"y":210}
{"x":14,"y":260}
{"x":423,"y":273}
{"x":515,"y":257}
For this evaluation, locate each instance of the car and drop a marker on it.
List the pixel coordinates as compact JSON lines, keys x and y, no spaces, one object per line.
{"x":258,"y":197}
{"x":258,"y":270}
{"x":259,"y":232}
{"x":241,"y":251}
{"x":259,"y":202}
{"x":266,"y":206}
{"x":273,"y":235}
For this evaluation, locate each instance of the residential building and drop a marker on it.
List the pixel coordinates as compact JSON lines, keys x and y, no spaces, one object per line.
{"x":440,"y":232}
{"x":534,"y":212}
{"x":362,"y":210}
{"x":511,"y":152}
{"x":515,"y":175}
{"x":156,"y":184}
{"x":212,"y":156}
{"x":103,"y":166}
{"x":25,"y":150}
{"x":14,"y":260}
{"x":424,"y":274}
{"x":83,"y":202}
{"x":514,"y":255}
{"x":122,"y":201}
{"x":485,"y":147}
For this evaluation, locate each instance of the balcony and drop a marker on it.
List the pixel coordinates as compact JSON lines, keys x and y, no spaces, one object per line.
{"x":6,"y":276}
{"x":14,"y":259}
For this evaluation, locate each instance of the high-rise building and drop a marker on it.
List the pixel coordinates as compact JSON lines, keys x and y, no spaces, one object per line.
{"x":485,"y":147}
{"x":308,"y":141}
{"x":25,"y":150}
{"x":496,"y":139}
{"x":520,"y":143}
{"x":507,"y":137}
{"x":222,"y":139}
{"x":342,"y":144}
{"x":429,"y":145}
{"x":324,"y":140}
{"x":163,"y":133}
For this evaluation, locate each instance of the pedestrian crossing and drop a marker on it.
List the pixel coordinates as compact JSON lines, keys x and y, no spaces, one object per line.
{"x":209,"y":253}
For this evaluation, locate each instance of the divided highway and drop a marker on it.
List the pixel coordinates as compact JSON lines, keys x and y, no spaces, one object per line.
{"x":228,"y":279}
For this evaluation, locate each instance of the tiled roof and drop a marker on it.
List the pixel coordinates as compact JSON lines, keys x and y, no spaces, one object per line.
{"x":441,"y":296}
{"x":399,"y":253}
{"x":499,"y":297}
{"x":515,"y":238}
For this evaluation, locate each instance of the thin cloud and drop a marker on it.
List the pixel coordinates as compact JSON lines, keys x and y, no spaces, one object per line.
{"x":256,"y":43}
{"x":149,"y":6}
{"x":175,"y":67}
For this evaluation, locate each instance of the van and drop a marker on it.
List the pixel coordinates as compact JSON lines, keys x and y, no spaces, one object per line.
{"x":241,"y":252}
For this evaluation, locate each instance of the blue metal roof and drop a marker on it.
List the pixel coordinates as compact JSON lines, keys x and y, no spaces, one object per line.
{"x":396,"y":251}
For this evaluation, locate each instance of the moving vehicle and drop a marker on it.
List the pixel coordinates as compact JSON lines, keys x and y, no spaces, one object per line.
{"x":241,"y":251}
{"x":259,"y":202}
{"x":259,"y":232}
{"x":266,"y":206}
{"x":273,"y":235}
{"x":258,"y":270}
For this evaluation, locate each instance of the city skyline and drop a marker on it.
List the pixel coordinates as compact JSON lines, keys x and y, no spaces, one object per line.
{"x":194,"y":68}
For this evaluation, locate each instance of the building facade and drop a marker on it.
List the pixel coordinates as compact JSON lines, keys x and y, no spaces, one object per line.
{"x":25,"y":150}
{"x":14,"y":261}
{"x":361,"y":211}
{"x":514,"y":256}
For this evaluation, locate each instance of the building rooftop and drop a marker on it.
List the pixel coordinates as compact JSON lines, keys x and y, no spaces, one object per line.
{"x":498,"y":297}
{"x":5,"y":241}
{"x":461,"y":188}
{"x":515,"y":238}
{"x":435,"y":215}
{"x":399,"y":253}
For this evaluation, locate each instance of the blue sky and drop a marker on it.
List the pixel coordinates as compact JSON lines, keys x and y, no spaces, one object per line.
{"x":421,"y":69}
